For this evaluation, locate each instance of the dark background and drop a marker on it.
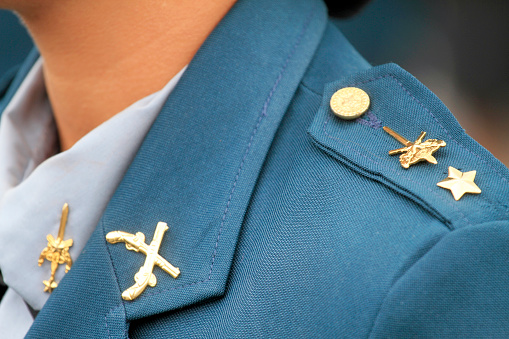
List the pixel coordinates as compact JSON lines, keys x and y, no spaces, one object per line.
{"x":458,"y":48}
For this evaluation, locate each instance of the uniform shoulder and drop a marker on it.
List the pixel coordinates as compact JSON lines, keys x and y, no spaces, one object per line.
{"x":439,"y":150}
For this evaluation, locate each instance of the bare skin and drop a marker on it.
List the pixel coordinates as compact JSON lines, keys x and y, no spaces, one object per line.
{"x":102,"y":56}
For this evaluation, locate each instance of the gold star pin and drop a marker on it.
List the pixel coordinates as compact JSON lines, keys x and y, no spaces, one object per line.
{"x":416,"y":151}
{"x":57,"y":252}
{"x":136,"y":242}
{"x":460,"y":183}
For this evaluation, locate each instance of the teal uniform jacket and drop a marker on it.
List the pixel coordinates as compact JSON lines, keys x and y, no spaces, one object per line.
{"x":284,"y":220}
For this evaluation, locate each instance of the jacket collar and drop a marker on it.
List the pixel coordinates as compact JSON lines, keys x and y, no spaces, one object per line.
{"x":13,"y":82}
{"x":195,"y":171}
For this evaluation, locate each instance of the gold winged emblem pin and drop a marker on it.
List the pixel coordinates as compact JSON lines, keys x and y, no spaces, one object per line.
{"x":416,"y":151}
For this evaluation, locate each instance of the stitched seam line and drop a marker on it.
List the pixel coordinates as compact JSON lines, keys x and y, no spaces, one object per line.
{"x":408,"y":179}
{"x":263,"y":114}
{"x":373,"y":161}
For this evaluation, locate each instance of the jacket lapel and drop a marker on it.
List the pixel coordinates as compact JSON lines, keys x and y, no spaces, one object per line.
{"x":195,"y":171}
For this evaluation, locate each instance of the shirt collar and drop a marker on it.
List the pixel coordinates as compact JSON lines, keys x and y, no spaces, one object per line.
{"x":27,"y":130}
{"x":34,"y":184}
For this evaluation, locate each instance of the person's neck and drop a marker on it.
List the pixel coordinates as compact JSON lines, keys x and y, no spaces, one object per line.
{"x":102,"y":56}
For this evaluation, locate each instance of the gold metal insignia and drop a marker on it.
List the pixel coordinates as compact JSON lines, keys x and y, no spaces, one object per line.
{"x":57,"y":251}
{"x":460,"y":183}
{"x":349,"y":103}
{"x":137,"y":243}
{"x":416,"y":151}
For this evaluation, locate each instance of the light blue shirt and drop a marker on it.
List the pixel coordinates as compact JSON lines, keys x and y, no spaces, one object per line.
{"x":35,"y":182}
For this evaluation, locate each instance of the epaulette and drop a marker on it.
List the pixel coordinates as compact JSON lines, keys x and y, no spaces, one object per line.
{"x":444,"y":172}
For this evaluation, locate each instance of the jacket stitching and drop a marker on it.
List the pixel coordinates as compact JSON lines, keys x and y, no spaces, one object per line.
{"x":408,"y":179}
{"x":255,"y":130}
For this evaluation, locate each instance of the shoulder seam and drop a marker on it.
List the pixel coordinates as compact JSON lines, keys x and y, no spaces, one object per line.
{"x":397,"y":280}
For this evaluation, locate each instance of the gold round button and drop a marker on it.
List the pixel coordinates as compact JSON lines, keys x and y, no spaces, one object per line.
{"x":349,"y":103}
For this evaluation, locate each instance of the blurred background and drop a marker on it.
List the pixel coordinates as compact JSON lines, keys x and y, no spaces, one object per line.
{"x":457,"y":48}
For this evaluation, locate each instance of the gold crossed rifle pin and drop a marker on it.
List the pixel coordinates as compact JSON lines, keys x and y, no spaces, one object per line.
{"x":57,"y":252}
{"x":136,"y":242}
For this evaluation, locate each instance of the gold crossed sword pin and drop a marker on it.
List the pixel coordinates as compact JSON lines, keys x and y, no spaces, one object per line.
{"x":416,"y":151}
{"x":136,"y":242}
{"x":57,"y":252}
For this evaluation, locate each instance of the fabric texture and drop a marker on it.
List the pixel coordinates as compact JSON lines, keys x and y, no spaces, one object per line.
{"x":286,"y":222}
